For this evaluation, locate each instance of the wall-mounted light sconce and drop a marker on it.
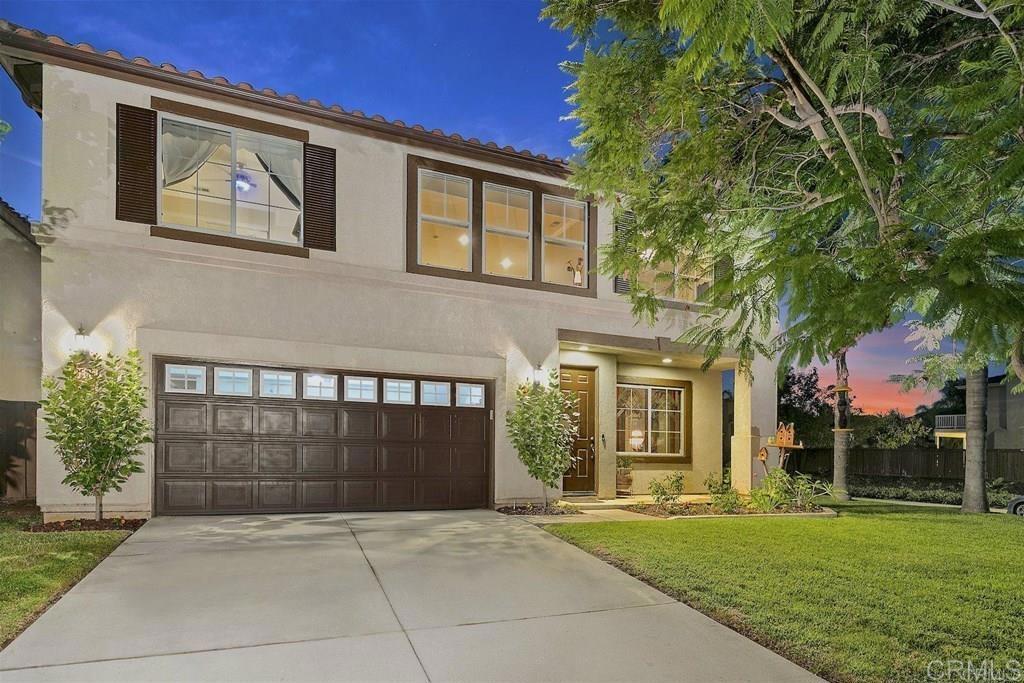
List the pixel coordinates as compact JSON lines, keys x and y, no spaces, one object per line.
{"x":82,"y":341}
{"x":539,"y":374}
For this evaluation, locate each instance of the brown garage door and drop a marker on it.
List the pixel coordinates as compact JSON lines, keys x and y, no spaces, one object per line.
{"x":239,"y":438}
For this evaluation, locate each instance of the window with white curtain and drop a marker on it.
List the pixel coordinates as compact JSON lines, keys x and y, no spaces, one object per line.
{"x":219,"y":179}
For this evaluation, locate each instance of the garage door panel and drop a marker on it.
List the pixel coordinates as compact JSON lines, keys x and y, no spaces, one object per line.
{"x":232,"y":419}
{"x":360,"y":459}
{"x":182,"y":457}
{"x":320,"y":422}
{"x":434,"y":459}
{"x":319,"y":458}
{"x":231,"y":496}
{"x":181,"y":417}
{"x":229,"y":454}
{"x":398,"y":425}
{"x":278,"y":457}
{"x":435,"y":425}
{"x":320,"y":494}
{"x":433,"y":493}
{"x":180,"y":496}
{"x":232,"y":457}
{"x":359,"y":493}
{"x":279,"y":420}
{"x":359,"y":423}
{"x":277,"y":494}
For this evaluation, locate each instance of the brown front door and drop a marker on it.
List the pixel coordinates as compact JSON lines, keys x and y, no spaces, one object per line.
{"x":580,"y":476}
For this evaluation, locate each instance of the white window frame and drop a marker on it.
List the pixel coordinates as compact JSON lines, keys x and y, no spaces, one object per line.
{"x":650,"y":412}
{"x":545,"y":240}
{"x":200,"y":380}
{"x":509,"y":190}
{"x":263,"y":394}
{"x":361,"y":400}
{"x":458,"y":395}
{"x":448,"y":394}
{"x":218,"y":392}
{"x":232,"y":132}
{"x":443,"y":220}
{"x":412,"y":394}
{"x":305,"y":386}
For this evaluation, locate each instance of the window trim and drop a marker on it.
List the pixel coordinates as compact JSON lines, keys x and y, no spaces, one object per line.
{"x":232,"y":131}
{"x":686,"y":457}
{"x":478,"y":176}
{"x":384,"y":393}
{"x":293,"y":373}
{"x":305,"y":386}
{"x":218,"y":368}
{"x":424,"y":402}
{"x":458,"y":401}
{"x":376,"y":389}
{"x":200,"y":389}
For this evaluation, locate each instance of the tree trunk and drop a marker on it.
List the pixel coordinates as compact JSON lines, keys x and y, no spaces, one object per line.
{"x":840,"y":431}
{"x":99,"y":507}
{"x":975,"y":495}
{"x":544,"y":490}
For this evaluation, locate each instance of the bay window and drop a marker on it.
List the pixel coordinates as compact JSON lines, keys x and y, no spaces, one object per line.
{"x":648,"y":420}
{"x":217,"y":179}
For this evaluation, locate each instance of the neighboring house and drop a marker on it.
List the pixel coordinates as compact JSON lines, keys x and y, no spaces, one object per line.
{"x":1005,"y":417}
{"x":20,"y":361}
{"x":335,"y":310}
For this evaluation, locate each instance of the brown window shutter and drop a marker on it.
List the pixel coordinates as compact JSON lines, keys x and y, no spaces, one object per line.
{"x":136,"y":165}
{"x":625,"y":220}
{"x":319,"y":197}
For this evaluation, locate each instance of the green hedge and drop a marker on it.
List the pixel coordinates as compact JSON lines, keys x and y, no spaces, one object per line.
{"x":927,"y":491}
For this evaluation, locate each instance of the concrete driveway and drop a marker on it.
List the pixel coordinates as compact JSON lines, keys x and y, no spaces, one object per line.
{"x":417,"y":596}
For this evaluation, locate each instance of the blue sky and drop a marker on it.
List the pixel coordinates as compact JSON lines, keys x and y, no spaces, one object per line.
{"x":482,"y":68}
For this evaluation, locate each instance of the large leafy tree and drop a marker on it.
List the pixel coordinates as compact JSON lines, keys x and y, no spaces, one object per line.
{"x":806,"y":139}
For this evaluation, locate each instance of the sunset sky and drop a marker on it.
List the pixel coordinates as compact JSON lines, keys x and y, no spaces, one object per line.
{"x":440,"y":64}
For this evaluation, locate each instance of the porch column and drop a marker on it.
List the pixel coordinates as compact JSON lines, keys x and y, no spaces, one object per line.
{"x":745,"y":439}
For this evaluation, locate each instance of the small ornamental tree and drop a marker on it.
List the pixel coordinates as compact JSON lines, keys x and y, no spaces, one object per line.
{"x":93,"y":412}
{"x":543,"y":426}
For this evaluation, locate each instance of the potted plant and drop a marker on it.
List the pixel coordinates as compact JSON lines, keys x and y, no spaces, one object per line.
{"x":623,"y":475}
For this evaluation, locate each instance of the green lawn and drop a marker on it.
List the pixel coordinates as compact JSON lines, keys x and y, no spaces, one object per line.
{"x":36,"y":568}
{"x":873,"y":595}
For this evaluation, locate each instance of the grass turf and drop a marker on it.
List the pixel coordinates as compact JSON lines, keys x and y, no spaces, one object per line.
{"x":872,"y":595}
{"x":37,"y":568}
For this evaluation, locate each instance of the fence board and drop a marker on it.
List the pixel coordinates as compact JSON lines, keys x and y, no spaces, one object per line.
{"x":918,"y":463}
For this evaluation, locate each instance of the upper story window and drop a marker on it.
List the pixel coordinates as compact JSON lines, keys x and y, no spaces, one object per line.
{"x":508,"y":231}
{"x":671,"y":279}
{"x":445,"y":237}
{"x":472,"y":224}
{"x":217,"y":179}
{"x":565,"y":241}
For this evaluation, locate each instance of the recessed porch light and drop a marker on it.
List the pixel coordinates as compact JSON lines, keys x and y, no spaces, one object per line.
{"x":666,"y":360}
{"x":584,"y":347}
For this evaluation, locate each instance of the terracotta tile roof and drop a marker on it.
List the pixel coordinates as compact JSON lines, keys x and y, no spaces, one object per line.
{"x":32,"y":39}
{"x":9,"y":215}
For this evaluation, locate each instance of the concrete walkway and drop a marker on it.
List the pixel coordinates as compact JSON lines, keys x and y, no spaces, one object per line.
{"x":443,"y":596}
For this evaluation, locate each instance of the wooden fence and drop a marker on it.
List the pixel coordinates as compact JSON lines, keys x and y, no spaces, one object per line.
{"x":919,"y":463}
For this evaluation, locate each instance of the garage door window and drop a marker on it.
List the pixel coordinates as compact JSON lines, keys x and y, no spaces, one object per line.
{"x":320,"y":387}
{"x":277,"y":384}
{"x":232,"y":381}
{"x":469,"y":395}
{"x":361,"y":389}
{"x":435,"y":394}
{"x":400,"y":391}
{"x":185,"y":379}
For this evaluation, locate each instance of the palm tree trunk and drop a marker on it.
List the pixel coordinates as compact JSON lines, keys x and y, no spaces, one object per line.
{"x":99,"y":507}
{"x":840,"y":431}
{"x":975,"y":495}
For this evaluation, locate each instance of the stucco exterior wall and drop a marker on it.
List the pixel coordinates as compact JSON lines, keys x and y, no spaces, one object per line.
{"x":20,"y":315}
{"x":356,"y":307}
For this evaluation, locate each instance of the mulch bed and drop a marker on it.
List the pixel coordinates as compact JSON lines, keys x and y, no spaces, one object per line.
{"x":694,"y":509}
{"x":538,"y":510}
{"x":114,"y":524}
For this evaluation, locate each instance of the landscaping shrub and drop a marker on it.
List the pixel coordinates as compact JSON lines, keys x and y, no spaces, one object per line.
{"x":724,"y":498}
{"x":780,"y":490}
{"x":668,"y":490}
{"x":927,"y":490}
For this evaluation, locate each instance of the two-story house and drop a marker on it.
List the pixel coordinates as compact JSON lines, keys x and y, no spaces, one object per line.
{"x":335,"y":310}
